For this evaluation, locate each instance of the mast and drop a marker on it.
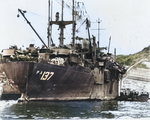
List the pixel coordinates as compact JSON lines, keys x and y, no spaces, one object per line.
{"x":98,"y":33}
{"x":87,"y":24}
{"x":62,"y":11}
{"x":51,"y":25}
{"x":62,"y":27}
{"x":73,"y":28}
{"x":48,"y":29}
{"x":98,"y":42}
{"x":99,"y":21}
{"x":109,"y":44}
{"x":114,"y":54}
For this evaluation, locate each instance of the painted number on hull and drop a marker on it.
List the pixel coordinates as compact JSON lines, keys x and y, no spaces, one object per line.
{"x":45,"y":75}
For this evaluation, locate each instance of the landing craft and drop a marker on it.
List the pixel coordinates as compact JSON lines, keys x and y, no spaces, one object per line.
{"x":132,"y":95}
{"x":75,"y":72}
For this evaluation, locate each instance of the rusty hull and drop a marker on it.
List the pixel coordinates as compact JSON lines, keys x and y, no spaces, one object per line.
{"x":51,"y":82}
{"x":18,"y":72}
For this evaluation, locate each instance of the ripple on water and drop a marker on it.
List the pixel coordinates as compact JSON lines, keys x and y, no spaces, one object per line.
{"x":75,"y":110}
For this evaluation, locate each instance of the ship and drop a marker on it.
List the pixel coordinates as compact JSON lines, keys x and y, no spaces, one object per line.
{"x":67,"y":72}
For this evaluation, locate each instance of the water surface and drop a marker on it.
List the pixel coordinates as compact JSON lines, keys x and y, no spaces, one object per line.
{"x":74,"y":110}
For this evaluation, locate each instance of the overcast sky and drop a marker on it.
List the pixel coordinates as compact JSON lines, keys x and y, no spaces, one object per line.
{"x":126,"y":21}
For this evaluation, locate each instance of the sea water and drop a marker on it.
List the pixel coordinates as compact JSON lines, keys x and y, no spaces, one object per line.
{"x":75,"y":110}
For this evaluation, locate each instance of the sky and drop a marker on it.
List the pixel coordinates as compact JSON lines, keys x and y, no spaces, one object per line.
{"x":126,"y":21}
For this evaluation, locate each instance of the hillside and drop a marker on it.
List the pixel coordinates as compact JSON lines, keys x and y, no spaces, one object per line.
{"x":131,"y":59}
{"x":137,"y":77}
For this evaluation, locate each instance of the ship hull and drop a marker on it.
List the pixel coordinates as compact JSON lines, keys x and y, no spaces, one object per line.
{"x":51,"y":82}
{"x":17,"y":74}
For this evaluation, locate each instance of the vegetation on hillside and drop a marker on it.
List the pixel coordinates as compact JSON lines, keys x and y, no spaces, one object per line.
{"x":133,"y":58}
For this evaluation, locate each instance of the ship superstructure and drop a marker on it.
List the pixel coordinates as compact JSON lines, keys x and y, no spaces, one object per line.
{"x":75,"y":72}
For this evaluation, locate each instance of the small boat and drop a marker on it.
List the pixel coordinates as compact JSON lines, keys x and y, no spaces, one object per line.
{"x":132,"y":95}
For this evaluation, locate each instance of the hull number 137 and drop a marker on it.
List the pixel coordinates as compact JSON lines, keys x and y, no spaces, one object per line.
{"x":45,"y":75}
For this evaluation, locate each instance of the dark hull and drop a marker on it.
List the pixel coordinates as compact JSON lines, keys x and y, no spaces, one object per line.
{"x":51,"y":82}
{"x":55,"y":82}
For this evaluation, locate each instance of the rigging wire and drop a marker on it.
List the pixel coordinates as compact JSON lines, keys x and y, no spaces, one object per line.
{"x":81,"y":13}
{"x":12,"y":6}
{"x":36,"y":14}
{"x":80,"y":9}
